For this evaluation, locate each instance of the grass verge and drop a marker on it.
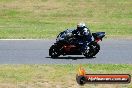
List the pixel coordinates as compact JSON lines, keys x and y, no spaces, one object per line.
{"x":46,"y":18}
{"x":57,"y":76}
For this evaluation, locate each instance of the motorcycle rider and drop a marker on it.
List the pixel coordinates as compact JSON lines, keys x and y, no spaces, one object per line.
{"x":82,"y":34}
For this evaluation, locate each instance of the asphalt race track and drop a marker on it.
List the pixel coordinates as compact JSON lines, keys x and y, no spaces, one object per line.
{"x":114,"y":51}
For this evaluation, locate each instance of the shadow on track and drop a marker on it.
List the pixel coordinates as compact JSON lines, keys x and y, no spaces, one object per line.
{"x":73,"y":58}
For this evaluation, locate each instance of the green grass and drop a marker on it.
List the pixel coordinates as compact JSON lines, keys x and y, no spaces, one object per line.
{"x":46,"y":18}
{"x":53,"y":76}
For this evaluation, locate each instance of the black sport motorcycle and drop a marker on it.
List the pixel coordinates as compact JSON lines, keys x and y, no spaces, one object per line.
{"x":64,"y":45}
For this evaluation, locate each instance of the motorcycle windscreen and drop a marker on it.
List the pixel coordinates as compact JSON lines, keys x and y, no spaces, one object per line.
{"x":98,"y":35}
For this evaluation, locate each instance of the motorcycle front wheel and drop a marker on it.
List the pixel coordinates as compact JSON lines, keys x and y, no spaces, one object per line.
{"x":96,"y":47}
{"x":93,"y":50}
{"x":88,"y":53}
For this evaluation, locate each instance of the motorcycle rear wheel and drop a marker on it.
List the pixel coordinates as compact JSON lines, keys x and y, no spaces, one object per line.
{"x":54,"y":52}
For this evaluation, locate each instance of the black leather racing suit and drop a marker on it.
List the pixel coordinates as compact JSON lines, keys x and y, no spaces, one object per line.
{"x":83,"y":35}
